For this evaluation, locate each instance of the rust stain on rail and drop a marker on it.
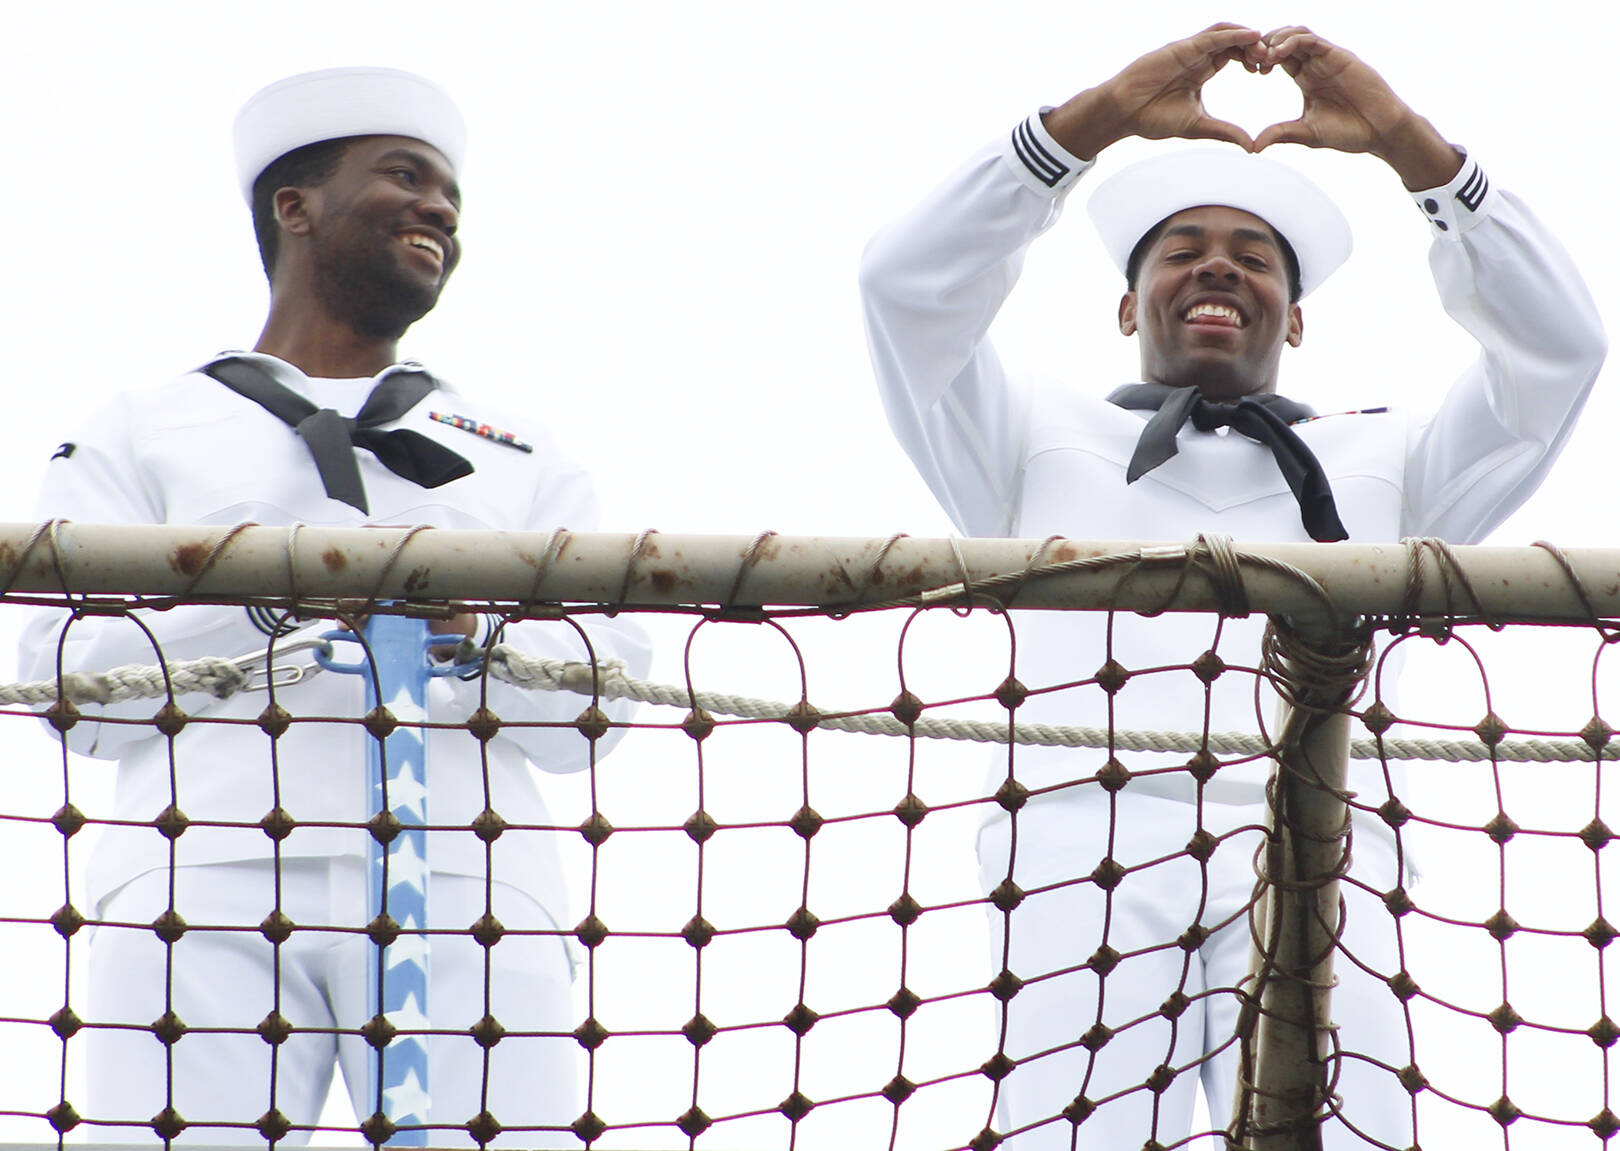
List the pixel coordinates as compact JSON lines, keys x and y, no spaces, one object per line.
{"x":335,"y":560}
{"x":665,"y":580}
{"x":188,"y":559}
{"x":418,"y":577}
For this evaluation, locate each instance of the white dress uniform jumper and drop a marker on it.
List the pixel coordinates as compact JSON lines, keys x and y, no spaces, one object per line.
{"x":1004,"y":460}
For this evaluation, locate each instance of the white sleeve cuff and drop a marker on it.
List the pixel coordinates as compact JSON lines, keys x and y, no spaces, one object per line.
{"x":1040,"y":161}
{"x":1457,"y":207}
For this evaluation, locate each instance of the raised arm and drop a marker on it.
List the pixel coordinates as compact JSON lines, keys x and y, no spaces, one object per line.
{"x":1501,"y":275}
{"x":1349,"y":107}
{"x":1159,"y":96}
{"x":933,"y":281}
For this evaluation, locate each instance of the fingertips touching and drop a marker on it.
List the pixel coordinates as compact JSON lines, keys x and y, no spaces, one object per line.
{"x":1288,"y":132}
{"x":1218,"y":37}
{"x":1209,"y":128}
{"x":1295,"y":42}
{"x":1287,"y":30}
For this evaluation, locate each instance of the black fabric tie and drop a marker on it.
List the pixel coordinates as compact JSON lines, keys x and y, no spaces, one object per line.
{"x":332,"y":438}
{"x":1264,"y":418}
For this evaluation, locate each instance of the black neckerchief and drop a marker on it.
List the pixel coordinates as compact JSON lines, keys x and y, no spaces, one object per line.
{"x":1263,"y":417}
{"x":332,"y":438}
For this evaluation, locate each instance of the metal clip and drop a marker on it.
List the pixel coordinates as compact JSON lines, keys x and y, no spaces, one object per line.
{"x":262,"y":674}
{"x":467,"y":660}
{"x":944,"y":594}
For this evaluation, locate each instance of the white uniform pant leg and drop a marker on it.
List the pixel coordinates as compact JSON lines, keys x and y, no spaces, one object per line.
{"x":218,"y":979}
{"x":1229,"y":953}
{"x":1371,"y":1020}
{"x":225,"y":980}
{"x":1060,"y":929}
{"x":525,"y":1080}
{"x":1368,"y":1017}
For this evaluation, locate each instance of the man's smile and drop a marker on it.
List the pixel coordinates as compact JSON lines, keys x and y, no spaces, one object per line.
{"x":1211,"y":314}
{"x":423,"y":242}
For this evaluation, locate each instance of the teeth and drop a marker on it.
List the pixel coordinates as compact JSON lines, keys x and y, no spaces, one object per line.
{"x":1220,"y":311}
{"x":427,"y":244}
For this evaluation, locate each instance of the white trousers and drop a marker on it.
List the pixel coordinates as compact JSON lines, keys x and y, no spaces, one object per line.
{"x":1059,"y":929}
{"x":229,"y":979}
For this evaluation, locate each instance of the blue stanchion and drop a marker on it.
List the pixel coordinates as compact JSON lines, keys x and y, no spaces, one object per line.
{"x":397,"y":872}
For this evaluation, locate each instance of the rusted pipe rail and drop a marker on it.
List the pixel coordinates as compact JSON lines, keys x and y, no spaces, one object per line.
{"x":654,"y":569}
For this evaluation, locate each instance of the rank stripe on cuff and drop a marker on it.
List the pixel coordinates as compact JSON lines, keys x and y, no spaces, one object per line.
{"x":1044,"y":166}
{"x":1472,"y":193}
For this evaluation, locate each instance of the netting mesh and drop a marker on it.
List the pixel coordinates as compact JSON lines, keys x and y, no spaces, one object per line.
{"x":782,"y":934}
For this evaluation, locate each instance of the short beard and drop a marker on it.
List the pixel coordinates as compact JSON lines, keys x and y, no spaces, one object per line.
{"x":375,"y":299}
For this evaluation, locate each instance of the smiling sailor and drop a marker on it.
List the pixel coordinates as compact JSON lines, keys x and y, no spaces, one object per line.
{"x":352,"y":177}
{"x":1218,"y":246}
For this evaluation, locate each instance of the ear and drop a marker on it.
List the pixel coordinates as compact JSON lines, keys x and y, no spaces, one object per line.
{"x":1127,"y":314}
{"x":1296,"y":326}
{"x":293,"y":209}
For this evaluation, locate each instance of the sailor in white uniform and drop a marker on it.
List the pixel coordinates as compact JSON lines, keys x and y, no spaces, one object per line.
{"x":352,"y":177}
{"x":1218,"y":246}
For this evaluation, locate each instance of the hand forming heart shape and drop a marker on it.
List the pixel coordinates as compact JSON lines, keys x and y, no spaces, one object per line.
{"x":1252,"y":101}
{"x":1344,"y":104}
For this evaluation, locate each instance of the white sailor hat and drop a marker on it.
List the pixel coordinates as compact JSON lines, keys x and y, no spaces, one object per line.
{"x":339,"y":102}
{"x":1128,"y":205}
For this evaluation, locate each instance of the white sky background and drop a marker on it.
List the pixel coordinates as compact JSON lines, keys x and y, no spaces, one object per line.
{"x":665,"y":205}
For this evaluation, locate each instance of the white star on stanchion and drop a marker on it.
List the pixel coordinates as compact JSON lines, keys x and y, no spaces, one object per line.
{"x":408,"y":949}
{"x":409,"y":713}
{"x":406,"y":868}
{"x":407,"y":1102}
{"x":407,"y":794}
{"x":409,"y":1017}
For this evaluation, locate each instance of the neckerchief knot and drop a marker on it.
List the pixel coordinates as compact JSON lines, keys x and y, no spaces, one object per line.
{"x":332,"y":438}
{"x":1264,"y":418}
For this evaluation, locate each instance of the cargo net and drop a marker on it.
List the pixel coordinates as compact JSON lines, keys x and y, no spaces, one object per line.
{"x":847,"y":879}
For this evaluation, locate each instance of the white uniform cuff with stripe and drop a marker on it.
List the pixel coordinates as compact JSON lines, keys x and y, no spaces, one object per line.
{"x":1040,"y":161}
{"x":1457,"y":207}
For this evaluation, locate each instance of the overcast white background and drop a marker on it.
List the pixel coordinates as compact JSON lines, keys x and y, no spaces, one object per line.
{"x":664,"y":209}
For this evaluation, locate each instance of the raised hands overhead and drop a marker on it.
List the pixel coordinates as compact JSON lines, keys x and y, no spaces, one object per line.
{"x":1158,"y":96}
{"x":1347,"y":105}
{"x":1350,"y":108}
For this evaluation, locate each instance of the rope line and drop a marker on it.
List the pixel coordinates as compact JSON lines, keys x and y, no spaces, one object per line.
{"x":222,"y":678}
